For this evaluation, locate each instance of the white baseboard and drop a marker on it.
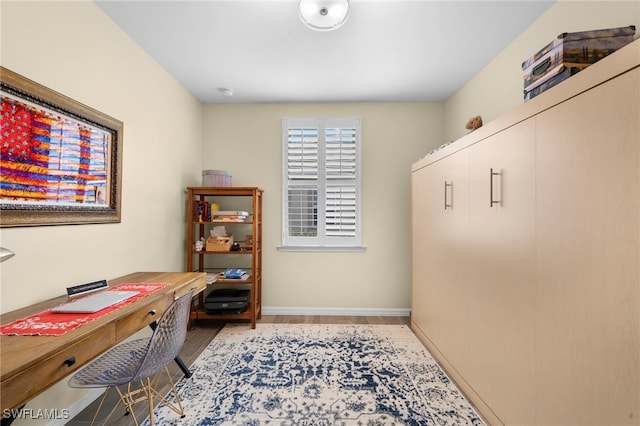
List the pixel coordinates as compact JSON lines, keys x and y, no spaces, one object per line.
{"x":354,"y":312}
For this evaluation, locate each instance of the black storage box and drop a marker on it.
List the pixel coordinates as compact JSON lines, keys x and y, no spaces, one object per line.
{"x":568,"y":54}
{"x":563,"y":74}
{"x":226,"y":301}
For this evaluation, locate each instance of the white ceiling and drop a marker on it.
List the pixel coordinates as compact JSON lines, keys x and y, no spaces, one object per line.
{"x":394,"y":50}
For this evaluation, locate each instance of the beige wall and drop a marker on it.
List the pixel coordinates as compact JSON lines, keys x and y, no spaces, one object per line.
{"x":497,"y":88}
{"x":246,"y":139}
{"x":74,"y":49}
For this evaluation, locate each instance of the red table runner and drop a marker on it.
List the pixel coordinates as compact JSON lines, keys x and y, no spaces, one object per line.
{"x":49,"y":323}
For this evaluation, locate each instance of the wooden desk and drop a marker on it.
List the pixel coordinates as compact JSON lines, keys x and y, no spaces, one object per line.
{"x":31,"y":364}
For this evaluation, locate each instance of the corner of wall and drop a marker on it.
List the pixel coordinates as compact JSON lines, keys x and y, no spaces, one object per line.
{"x":497,"y":88}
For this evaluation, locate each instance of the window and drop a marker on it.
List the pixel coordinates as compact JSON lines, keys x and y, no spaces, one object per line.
{"x":321,"y":184}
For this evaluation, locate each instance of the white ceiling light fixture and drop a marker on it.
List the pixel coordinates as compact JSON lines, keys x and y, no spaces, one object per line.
{"x":225,"y":91}
{"x":324,"y":15}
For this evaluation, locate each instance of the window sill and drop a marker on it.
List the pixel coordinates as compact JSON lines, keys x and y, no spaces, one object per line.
{"x":325,"y":249}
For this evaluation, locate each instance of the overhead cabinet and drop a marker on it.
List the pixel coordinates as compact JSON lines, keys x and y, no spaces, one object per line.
{"x":526,"y":254}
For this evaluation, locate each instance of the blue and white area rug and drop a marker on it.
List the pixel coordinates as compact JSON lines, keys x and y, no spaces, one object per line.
{"x":320,"y":375}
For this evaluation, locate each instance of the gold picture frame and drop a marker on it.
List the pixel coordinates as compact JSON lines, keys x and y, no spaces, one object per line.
{"x":61,"y":161}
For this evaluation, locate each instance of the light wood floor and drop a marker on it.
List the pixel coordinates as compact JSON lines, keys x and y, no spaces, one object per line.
{"x":198,"y":338}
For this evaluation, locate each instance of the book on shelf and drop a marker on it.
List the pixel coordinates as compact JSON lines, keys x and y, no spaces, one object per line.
{"x":235,"y":274}
{"x":202,"y":211}
{"x":232,"y":213}
{"x":230,"y":218}
{"x":198,"y":210}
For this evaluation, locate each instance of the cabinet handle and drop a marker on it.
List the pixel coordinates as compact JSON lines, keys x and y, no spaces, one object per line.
{"x":152,"y":312}
{"x":491,"y":175}
{"x":448,"y":205}
{"x":69,"y":362}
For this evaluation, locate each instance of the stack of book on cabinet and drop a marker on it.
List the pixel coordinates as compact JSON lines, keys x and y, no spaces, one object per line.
{"x":231,"y":215}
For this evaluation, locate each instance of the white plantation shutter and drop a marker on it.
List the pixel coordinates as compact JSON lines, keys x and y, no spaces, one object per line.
{"x":340,"y":207}
{"x":321,"y":186}
{"x":302,"y":149}
{"x":341,"y":188}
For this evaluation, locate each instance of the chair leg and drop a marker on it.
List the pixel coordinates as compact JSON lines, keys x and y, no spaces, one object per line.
{"x":129,"y":399}
{"x":101,"y":404}
{"x":146,"y":391}
{"x":177,"y":407}
{"x":102,"y":399}
{"x":150,"y":392}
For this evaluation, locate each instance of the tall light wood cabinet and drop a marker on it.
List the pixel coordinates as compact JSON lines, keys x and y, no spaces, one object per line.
{"x":587,"y":300}
{"x":501,"y":244}
{"x":436,"y":259}
{"x":530,"y":298}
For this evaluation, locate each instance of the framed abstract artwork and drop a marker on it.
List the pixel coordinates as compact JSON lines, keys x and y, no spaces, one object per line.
{"x":60,"y":160}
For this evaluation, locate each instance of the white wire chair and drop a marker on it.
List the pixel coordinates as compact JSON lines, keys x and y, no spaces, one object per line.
{"x":138,"y":361}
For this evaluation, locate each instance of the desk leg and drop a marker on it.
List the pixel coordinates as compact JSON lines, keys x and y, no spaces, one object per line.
{"x":177,"y":359}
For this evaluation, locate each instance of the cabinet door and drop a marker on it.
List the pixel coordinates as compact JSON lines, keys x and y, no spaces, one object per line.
{"x":501,"y":266}
{"x":439,"y":299}
{"x":419,"y":243}
{"x":588,"y":322}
